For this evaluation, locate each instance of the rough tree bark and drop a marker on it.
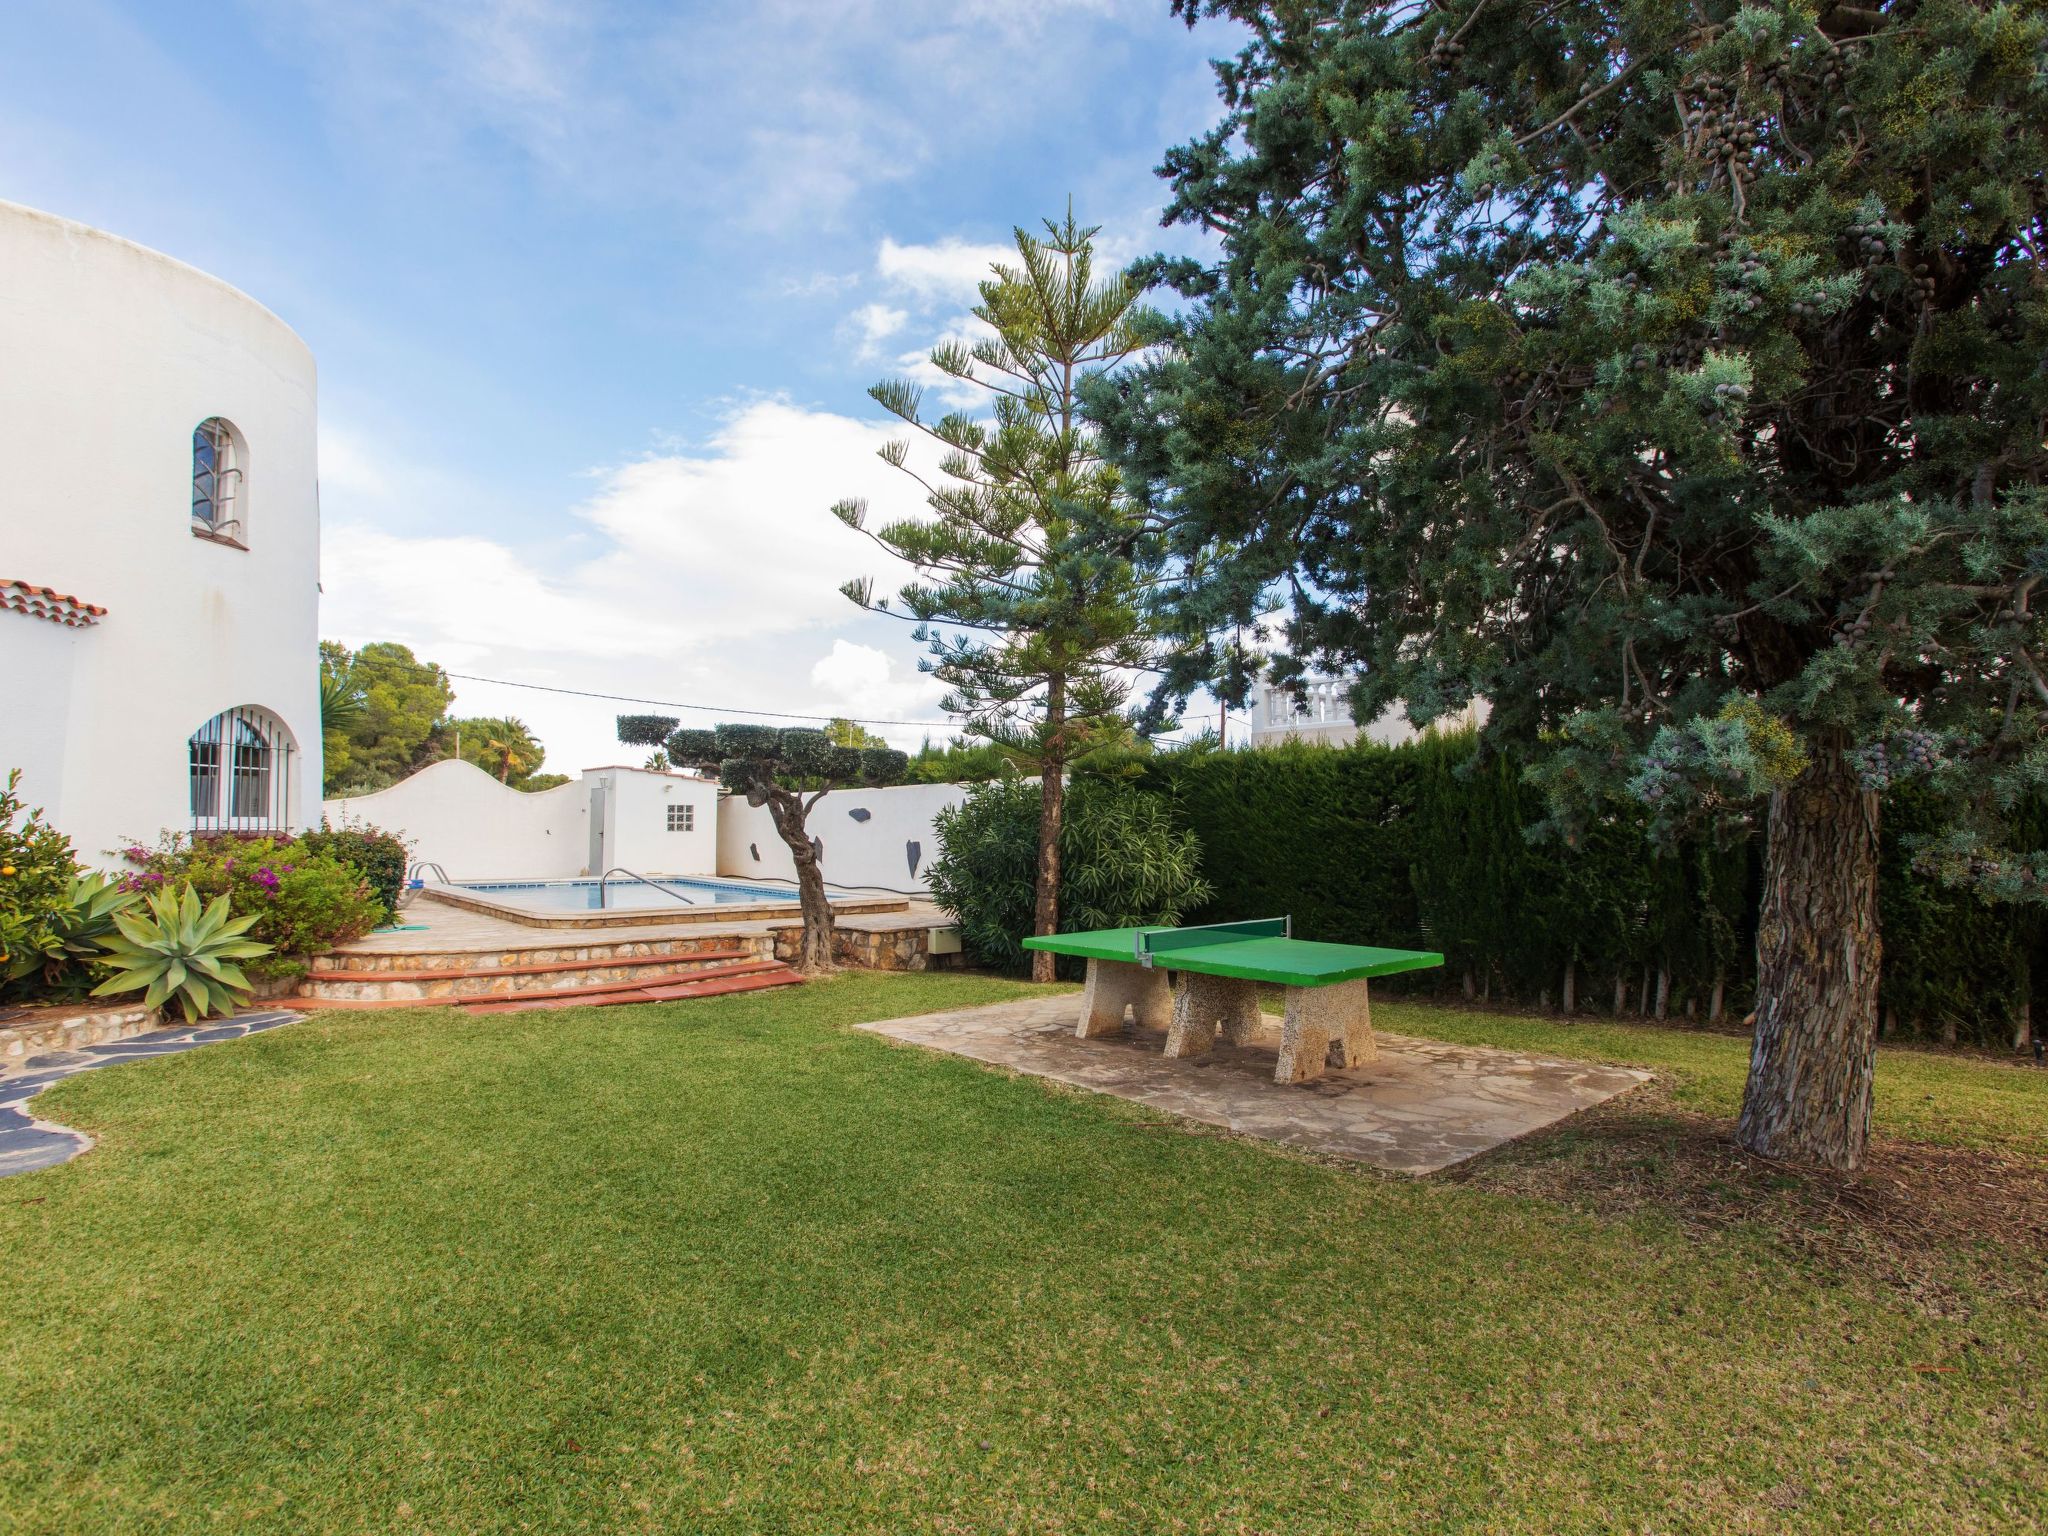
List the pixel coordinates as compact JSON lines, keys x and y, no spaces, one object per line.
{"x":1052,"y":805}
{"x":789,"y":811}
{"x":1818,"y":954}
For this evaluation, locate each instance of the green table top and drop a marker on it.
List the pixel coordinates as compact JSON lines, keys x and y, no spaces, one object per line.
{"x":1284,"y":962}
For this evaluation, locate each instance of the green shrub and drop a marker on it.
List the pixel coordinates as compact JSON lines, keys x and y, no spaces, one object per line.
{"x":302,"y":902}
{"x":1126,"y":859}
{"x":36,"y":870}
{"x":380,"y":857}
{"x":61,"y":963}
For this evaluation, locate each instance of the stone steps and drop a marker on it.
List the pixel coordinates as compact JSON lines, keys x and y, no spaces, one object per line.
{"x":551,"y":955}
{"x":431,"y":986}
{"x":634,"y":988}
{"x":755,"y":976}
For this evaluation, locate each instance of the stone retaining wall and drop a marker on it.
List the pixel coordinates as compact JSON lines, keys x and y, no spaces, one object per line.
{"x":68,"y":1029}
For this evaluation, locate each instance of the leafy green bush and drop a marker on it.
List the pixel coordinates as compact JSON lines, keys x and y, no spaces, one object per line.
{"x":37,"y":867}
{"x":302,"y":902}
{"x":380,"y":857}
{"x":62,"y":961}
{"x":1125,"y":860}
{"x":177,"y":951}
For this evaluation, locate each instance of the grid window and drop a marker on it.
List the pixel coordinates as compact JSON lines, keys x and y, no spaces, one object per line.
{"x":682,"y":818}
{"x":216,"y":480}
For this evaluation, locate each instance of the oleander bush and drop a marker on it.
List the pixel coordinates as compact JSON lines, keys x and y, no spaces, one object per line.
{"x":1126,"y":858}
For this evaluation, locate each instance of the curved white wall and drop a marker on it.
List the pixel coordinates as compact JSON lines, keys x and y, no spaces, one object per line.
{"x":110,"y":355}
{"x":458,"y":816}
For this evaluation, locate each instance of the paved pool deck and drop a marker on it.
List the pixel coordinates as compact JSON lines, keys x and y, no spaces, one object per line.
{"x":1418,"y":1107}
{"x":436,"y":926}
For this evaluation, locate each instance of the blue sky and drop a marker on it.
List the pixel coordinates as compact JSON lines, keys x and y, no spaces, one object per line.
{"x":596,"y":289}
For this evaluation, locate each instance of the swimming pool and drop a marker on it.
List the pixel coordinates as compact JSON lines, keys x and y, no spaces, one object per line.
{"x":619,"y":894}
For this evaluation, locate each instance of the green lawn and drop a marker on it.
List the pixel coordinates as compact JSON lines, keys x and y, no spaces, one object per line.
{"x":1946,"y":1099}
{"x":726,"y":1266}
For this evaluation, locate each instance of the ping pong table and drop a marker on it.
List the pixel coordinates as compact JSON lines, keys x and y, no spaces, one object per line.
{"x":1216,"y":969}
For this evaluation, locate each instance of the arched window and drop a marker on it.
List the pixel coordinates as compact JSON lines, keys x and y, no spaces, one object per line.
{"x":219,"y":476}
{"x":241,"y":772}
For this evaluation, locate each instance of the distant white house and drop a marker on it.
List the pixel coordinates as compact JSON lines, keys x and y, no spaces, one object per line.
{"x":159,"y":543}
{"x":1324,"y":715}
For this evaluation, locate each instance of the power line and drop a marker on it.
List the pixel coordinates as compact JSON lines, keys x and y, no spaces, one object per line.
{"x":714,"y":709}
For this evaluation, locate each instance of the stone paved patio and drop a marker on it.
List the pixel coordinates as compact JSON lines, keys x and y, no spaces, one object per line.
{"x":1419,"y":1106}
{"x":27,"y":1143}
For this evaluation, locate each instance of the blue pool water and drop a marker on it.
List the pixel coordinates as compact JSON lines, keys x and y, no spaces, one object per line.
{"x":585,"y":895}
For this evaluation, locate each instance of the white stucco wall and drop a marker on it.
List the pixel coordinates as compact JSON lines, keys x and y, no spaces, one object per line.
{"x":870,"y":852}
{"x":636,"y":822}
{"x":110,"y":356}
{"x":458,"y":816}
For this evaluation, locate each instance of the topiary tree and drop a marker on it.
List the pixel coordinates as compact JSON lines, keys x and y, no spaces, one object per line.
{"x":788,"y":770}
{"x":1669,"y":375}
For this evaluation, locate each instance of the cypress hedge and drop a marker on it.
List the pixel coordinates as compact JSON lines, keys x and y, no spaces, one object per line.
{"x":1428,"y":846}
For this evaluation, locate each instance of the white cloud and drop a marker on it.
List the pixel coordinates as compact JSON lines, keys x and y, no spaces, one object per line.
{"x":704,"y":575}
{"x":870,"y":683}
{"x":873,"y":324}
{"x":947,"y":271}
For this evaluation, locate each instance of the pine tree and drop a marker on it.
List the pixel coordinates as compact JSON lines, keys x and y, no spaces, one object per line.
{"x":1033,"y":573}
{"x":1669,"y":376}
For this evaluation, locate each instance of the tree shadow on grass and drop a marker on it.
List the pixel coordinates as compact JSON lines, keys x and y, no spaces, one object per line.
{"x":1939,"y":1225}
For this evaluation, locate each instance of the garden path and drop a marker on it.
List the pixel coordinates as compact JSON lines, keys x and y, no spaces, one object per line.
{"x":27,"y":1143}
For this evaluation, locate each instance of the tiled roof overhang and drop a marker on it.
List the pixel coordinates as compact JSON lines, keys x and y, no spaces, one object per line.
{"x":47,"y":603}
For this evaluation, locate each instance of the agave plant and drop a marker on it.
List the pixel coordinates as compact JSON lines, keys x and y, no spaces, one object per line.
{"x":72,"y":934}
{"x":179,"y":951}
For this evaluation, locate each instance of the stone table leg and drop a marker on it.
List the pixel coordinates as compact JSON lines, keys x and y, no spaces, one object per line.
{"x":1114,"y":985}
{"x":1330,"y":1024}
{"x":1202,"y":1004}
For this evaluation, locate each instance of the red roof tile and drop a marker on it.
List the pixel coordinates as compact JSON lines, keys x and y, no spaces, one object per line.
{"x":48,"y":603}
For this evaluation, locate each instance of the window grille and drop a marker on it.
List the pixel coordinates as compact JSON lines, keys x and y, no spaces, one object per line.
{"x":682,"y":818}
{"x":216,"y":479}
{"x":240,"y":773}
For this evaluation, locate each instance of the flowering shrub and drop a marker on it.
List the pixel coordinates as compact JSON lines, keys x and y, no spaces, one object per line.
{"x":380,"y":857}
{"x":304,"y":901}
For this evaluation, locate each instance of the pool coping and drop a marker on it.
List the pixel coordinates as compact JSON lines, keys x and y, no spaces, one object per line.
{"x":656,"y":917}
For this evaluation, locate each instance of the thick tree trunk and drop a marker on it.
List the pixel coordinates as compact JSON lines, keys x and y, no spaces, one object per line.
{"x":814,"y":949}
{"x":1052,"y":808}
{"x":1818,"y":956}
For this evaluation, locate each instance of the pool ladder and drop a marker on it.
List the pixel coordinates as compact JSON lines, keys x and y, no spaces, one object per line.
{"x":415,"y":879}
{"x":603,"y":882}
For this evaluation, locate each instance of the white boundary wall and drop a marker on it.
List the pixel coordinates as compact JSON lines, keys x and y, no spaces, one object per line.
{"x":857,"y":852}
{"x":458,"y":816}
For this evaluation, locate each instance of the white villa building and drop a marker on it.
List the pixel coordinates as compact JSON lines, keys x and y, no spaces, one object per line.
{"x":1277,"y":717}
{"x":159,"y":544}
